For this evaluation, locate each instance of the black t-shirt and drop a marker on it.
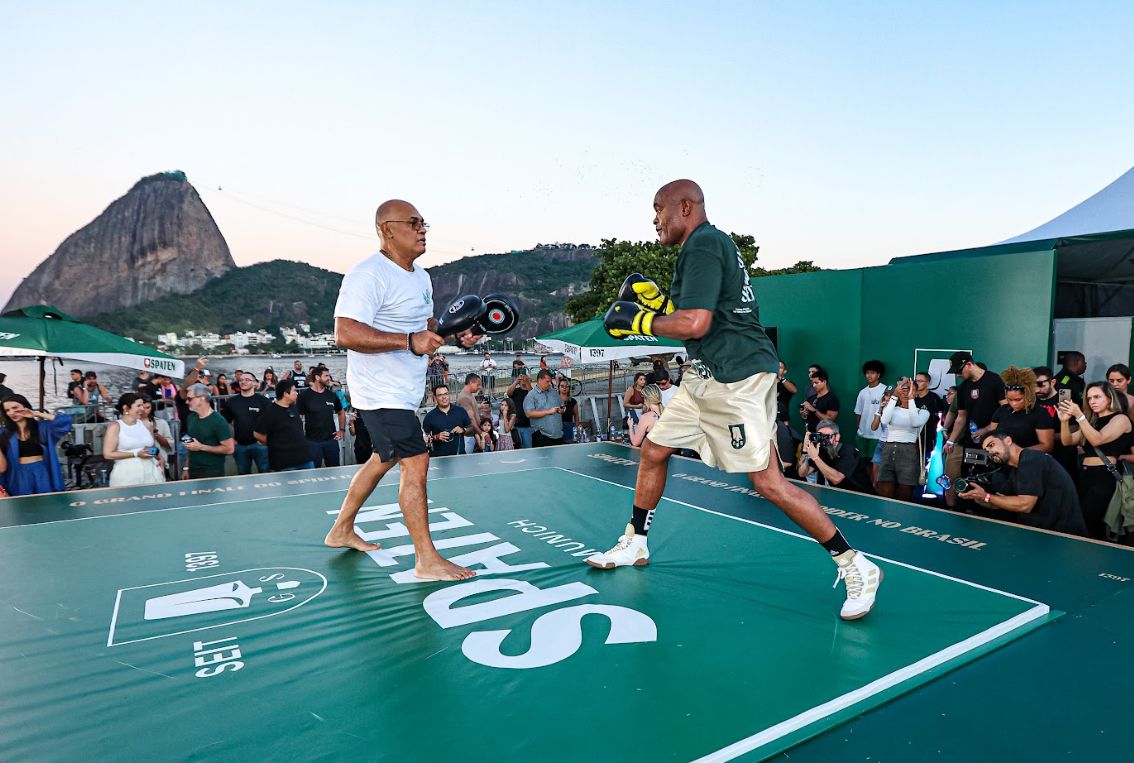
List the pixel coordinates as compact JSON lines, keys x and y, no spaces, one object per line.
{"x":1067,"y":380}
{"x":242,"y":413}
{"x":846,"y":464}
{"x":1021,"y":426}
{"x":318,"y":410}
{"x":569,"y":412}
{"x":146,"y":388}
{"x":1058,"y":506}
{"x":517,"y":399}
{"x":783,"y":400}
{"x":71,"y":387}
{"x":286,"y":444}
{"x":980,"y":399}
{"x":823,"y":404}
{"x":435,"y":422}
{"x":1050,"y":405}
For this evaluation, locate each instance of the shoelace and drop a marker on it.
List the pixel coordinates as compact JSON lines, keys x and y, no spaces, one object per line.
{"x":622,"y":545}
{"x":855,"y":583}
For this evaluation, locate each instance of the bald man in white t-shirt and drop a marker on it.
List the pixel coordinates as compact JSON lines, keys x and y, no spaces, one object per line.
{"x":384,"y":319}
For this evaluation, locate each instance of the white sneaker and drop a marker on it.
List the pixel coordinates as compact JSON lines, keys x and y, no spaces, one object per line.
{"x":862,"y":577}
{"x":631,"y":551}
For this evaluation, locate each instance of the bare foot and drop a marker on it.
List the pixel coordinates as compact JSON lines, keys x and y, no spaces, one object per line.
{"x":441,"y":569}
{"x":348,"y":539}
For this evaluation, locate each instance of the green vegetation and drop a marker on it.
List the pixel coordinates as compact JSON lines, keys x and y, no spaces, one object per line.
{"x":262,"y":296}
{"x":618,"y":259}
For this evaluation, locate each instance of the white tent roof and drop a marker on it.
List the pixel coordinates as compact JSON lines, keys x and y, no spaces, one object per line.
{"x":1110,"y":209}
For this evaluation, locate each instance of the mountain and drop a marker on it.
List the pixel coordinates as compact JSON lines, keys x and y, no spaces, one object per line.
{"x":282,"y":293}
{"x":157,"y":240}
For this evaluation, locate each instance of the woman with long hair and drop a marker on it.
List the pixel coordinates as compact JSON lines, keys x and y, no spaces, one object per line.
{"x":507,"y":424}
{"x":485,"y":436}
{"x":1020,"y":418}
{"x":570,"y":411}
{"x":651,"y":411}
{"x":632,"y":399}
{"x":27,"y":441}
{"x":163,"y":436}
{"x":268,"y":386}
{"x":130,"y":444}
{"x":1119,"y":377}
{"x":223,"y":387}
{"x":1104,"y":427}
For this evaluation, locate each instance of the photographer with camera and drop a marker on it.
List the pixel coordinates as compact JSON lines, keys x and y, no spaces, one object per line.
{"x":836,"y":463}
{"x":1044,"y":495}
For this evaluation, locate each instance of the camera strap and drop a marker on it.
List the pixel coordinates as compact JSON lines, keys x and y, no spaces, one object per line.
{"x":1110,"y":467}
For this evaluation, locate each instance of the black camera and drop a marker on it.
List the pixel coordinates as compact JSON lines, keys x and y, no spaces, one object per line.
{"x":71,"y":450}
{"x":822,"y":439}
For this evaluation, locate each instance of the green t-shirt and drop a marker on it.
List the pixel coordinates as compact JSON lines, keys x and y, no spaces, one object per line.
{"x":710,"y":275}
{"x":211,"y":430}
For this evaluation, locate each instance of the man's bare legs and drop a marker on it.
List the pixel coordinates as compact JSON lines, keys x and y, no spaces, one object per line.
{"x":415,"y":509}
{"x":800,"y":506}
{"x":652,"y":467}
{"x":342,"y":534}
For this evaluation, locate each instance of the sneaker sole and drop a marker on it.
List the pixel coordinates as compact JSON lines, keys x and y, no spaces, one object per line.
{"x":611,"y":566}
{"x":867,"y":612}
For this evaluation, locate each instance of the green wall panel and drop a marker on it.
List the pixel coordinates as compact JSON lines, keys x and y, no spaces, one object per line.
{"x":819,"y":318}
{"x":1001,"y":306}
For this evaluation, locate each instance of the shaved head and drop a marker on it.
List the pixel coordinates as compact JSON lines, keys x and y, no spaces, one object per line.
{"x":678,"y":191}
{"x":401,"y":229}
{"x":394,"y":209}
{"x":679,"y":208}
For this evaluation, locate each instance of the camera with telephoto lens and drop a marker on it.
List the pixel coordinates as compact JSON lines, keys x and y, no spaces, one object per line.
{"x":979,"y":469}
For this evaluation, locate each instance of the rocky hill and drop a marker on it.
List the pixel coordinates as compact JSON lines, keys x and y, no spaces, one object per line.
{"x":281,"y":293}
{"x":157,"y":240}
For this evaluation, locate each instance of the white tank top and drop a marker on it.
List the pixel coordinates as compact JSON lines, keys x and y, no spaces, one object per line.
{"x":134,"y":437}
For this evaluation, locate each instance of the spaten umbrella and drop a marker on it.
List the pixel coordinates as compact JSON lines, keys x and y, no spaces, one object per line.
{"x":588,"y":342}
{"x":44,"y":330}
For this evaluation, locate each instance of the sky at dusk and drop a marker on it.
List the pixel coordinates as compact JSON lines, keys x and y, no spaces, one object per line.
{"x":844,"y":133}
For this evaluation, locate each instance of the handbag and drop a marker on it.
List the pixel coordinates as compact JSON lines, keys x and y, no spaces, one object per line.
{"x":1119,"y":518}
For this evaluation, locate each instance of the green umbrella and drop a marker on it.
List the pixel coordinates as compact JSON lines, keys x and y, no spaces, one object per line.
{"x":45,"y":330}
{"x":588,"y":342}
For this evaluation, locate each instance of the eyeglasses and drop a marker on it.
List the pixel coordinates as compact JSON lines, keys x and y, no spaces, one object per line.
{"x":414,"y":222}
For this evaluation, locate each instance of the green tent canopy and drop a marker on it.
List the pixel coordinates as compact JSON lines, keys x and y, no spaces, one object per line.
{"x":588,"y":342}
{"x":44,"y":330}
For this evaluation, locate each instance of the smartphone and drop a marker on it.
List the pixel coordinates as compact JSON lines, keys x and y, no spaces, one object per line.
{"x":1064,"y":395}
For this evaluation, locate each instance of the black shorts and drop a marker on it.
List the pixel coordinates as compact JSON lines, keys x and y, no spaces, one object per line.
{"x":395,"y":433}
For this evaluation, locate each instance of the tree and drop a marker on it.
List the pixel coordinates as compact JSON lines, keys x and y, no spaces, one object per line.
{"x":652,"y":259}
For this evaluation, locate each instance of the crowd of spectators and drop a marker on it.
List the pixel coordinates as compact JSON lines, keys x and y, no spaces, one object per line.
{"x":1027,"y":445}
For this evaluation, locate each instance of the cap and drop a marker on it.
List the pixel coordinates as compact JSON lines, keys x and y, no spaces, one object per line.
{"x":957,"y":360}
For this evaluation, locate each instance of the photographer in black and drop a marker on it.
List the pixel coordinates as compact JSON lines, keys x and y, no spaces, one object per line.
{"x":1043,"y":494}
{"x":838,"y":464}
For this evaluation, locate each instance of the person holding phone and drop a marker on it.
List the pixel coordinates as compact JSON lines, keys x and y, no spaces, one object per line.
{"x":544,"y":409}
{"x":130,"y":444}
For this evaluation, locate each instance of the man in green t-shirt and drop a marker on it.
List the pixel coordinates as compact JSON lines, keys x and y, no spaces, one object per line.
{"x":212,"y":436}
{"x":726,"y":406}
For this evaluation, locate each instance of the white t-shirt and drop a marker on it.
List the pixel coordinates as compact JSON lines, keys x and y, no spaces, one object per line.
{"x":667,"y":394}
{"x":380,"y":294}
{"x":488,"y":364}
{"x":865,"y":407}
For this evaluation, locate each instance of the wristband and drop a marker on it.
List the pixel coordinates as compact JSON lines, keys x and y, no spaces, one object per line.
{"x":950,"y":442}
{"x":1081,"y":418}
{"x":988,"y":498}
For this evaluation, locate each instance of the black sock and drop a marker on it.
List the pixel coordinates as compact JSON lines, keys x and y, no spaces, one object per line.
{"x":836,"y":544}
{"x":641,"y":520}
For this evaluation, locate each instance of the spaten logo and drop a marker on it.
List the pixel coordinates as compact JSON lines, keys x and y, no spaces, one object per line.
{"x":158,"y":364}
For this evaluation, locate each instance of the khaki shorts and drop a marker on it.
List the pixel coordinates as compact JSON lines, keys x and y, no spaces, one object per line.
{"x":955,"y":461}
{"x":731,"y":426}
